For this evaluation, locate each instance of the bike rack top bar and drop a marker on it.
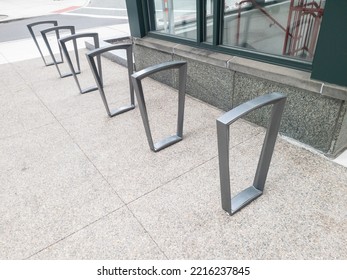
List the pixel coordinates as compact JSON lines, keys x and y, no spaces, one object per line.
{"x":56,"y":28}
{"x":245,"y":108}
{"x":43,"y":22}
{"x":156,"y":68}
{"x":102,"y":50}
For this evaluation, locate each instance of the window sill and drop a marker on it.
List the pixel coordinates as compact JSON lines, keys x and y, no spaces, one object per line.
{"x":275,"y":73}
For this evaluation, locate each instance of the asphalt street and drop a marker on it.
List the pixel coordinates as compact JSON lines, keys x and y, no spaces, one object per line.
{"x":97,"y":13}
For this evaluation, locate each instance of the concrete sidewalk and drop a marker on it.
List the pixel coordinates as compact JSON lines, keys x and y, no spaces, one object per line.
{"x":76,"y":184}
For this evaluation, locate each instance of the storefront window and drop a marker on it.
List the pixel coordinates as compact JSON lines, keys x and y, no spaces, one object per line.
{"x":279,"y":28}
{"x":176,"y":17}
{"x":287,"y":28}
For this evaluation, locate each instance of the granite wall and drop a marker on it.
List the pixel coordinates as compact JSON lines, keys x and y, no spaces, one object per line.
{"x":313,"y":115}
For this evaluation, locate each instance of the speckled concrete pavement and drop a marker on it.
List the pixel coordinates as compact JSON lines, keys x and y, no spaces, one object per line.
{"x":76,"y":184}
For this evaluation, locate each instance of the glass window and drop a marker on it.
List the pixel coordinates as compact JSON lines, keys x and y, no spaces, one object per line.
{"x":176,"y":17}
{"x":288,"y":28}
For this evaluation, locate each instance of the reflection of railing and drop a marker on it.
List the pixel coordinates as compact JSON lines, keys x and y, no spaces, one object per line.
{"x":168,"y":16}
{"x":302,"y":29}
{"x":261,"y":9}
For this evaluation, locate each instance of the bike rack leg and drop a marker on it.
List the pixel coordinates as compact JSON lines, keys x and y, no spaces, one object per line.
{"x":98,"y":78}
{"x":136,"y":80}
{"x":232,"y":205}
{"x":31,"y":31}
{"x":74,"y":37}
{"x":57,"y":30}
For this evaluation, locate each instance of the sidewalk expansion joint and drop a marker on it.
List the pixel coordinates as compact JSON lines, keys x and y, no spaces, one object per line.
{"x":75,"y":232}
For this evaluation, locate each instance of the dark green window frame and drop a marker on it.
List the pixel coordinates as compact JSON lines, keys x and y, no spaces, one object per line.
{"x":327,"y":66}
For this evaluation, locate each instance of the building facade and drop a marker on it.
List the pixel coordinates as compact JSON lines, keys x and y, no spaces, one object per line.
{"x":237,"y":50}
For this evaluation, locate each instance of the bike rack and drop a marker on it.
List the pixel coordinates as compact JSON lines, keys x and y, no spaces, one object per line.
{"x":31,"y":31}
{"x":98,"y":77}
{"x":136,"y":80}
{"x":57,"y":30}
{"x":74,"y":37}
{"x":232,"y":205}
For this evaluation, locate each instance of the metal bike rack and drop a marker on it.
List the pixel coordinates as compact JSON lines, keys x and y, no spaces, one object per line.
{"x":232,"y":205}
{"x":31,"y":31}
{"x":74,"y":37}
{"x":98,"y":78}
{"x":136,"y":80}
{"x":57,"y":30}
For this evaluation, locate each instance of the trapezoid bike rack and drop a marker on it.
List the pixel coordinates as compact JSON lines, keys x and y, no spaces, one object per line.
{"x":98,"y":78}
{"x":74,"y":37}
{"x":31,"y":31}
{"x":136,"y":80}
{"x":232,"y":205}
{"x":57,"y":30}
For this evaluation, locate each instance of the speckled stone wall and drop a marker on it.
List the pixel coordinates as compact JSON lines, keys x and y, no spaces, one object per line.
{"x":201,"y":77}
{"x":209,"y":83}
{"x":145,"y":57}
{"x":309,"y":117}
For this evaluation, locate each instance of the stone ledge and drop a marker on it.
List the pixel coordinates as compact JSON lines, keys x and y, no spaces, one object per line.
{"x":275,"y":73}
{"x":118,"y":56}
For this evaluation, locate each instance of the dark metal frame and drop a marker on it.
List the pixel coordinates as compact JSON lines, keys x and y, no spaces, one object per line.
{"x":98,"y":78}
{"x":136,"y":80}
{"x":232,"y":205}
{"x":32,"y":33}
{"x":57,"y":30}
{"x":74,"y":37}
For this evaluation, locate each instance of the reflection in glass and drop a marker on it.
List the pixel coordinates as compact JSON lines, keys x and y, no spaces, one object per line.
{"x":176,"y":17}
{"x":282,"y":27}
{"x":209,"y":21}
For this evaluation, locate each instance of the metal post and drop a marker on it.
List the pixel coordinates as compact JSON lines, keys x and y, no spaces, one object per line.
{"x":136,"y":80}
{"x":98,"y":78}
{"x":232,"y":205}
